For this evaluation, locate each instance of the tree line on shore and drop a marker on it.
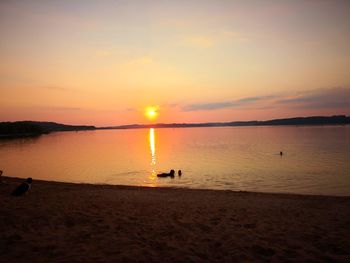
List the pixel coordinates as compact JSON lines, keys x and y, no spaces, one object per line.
{"x":31,"y":128}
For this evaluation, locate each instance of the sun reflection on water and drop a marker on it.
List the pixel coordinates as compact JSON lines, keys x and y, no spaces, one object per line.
{"x":153,"y":153}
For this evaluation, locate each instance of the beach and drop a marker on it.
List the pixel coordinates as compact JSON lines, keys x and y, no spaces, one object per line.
{"x":65,"y":222}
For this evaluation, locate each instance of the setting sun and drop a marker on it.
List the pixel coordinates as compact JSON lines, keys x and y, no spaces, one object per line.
{"x":151,"y":112}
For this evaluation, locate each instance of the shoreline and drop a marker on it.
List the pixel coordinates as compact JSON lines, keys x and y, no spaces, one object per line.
{"x":135,"y":187}
{"x":67,"y":222}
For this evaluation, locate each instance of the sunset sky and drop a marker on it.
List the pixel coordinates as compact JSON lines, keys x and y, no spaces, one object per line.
{"x":105,"y":62}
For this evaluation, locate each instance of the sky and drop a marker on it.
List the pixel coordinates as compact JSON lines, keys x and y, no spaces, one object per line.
{"x":104,"y":62}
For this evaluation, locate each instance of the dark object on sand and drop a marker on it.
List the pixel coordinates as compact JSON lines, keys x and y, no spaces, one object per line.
{"x":1,"y":176}
{"x":179,"y":173}
{"x":22,"y":188}
{"x":281,"y":153}
{"x":171,"y":174}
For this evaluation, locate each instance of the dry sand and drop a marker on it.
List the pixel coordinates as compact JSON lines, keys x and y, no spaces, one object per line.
{"x":60,"y":222}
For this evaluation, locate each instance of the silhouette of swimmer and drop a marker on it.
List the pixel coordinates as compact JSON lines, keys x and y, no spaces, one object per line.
{"x":281,"y":153}
{"x":171,"y":174}
{"x":179,"y":173}
{"x":23,"y":188}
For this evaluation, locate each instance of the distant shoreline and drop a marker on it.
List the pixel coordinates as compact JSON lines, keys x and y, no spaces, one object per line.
{"x":313,"y":120}
{"x":219,"y":126}
{"x":23,"y":129}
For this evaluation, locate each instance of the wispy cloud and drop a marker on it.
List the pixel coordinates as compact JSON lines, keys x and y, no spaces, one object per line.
{"x":169,"y":105}
{"x":139,"y":61}
{"x":214,"y":39}
{"x":130,"y":109}
{"x":103,"y":53}
{"x":198,"y":41}
{"x":233,"y":35}
{"x":207,"y":106}
{"x":58,"y":108}
{"x":54,"y":88}
{"x":333,"y":98}
{"x":225,"y":104}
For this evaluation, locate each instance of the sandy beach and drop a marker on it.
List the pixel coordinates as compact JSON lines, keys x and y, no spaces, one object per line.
{"x":62,"y":222}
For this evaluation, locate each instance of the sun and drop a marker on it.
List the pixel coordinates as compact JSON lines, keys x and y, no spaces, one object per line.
{"x":151,"y":112}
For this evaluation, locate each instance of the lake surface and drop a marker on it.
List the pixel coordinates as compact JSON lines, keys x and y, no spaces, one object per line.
{"x":316,"y":159}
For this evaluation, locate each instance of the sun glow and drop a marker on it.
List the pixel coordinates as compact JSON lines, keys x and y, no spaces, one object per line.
{"x":151,"y":112}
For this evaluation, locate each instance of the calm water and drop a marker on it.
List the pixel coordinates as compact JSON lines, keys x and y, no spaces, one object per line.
{"x":316,"y":160}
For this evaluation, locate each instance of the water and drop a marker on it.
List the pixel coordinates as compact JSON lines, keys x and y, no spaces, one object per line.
{"x":316,"y":159}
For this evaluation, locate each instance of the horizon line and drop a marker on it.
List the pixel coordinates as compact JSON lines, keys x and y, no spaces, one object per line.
{"x":184,"y":123}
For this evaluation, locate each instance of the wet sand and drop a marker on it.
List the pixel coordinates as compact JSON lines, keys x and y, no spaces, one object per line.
{"x":61,"y":222}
